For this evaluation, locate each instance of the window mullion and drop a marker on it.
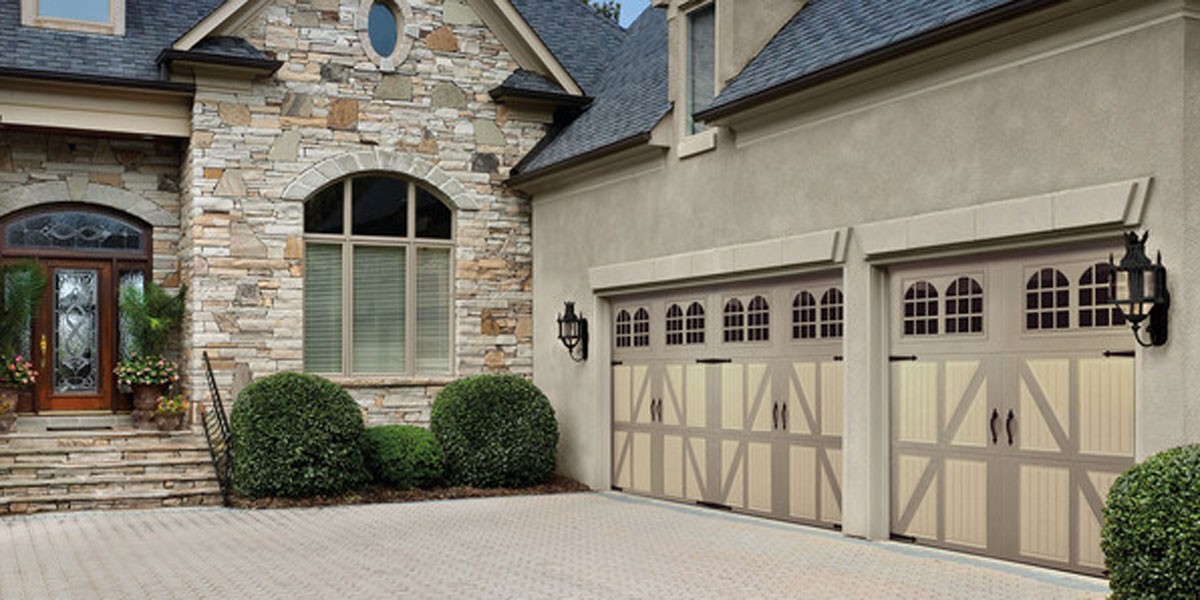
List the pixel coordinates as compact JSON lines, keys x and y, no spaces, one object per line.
{"x":347,"y":280}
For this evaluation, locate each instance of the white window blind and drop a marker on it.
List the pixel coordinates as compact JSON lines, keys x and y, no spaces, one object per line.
{"x":322,"y":308}
{"x":379,"y":303}
{"x":701,"y":66}
{"x":433,"y":310}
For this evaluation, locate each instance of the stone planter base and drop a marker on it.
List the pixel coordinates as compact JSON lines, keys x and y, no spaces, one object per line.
{"x":169,"y":421}
{"x":8,"y":421}
{"x":145,"y":405}
{"x":10,"y":397}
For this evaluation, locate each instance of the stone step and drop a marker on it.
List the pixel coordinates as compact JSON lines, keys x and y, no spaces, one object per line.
{"x":101,"y":486}
{"x":112,"y":439}
{"x":197,"y":496}
{"x":52,"y":469}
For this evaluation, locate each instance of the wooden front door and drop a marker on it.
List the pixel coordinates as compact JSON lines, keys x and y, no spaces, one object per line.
{"x":75,"y":337}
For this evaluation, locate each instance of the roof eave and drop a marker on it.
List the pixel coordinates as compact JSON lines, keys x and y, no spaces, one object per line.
{"x":520,"y":177}
{"x":503,"y":92}
{"x":886,"y":53}
{"x":145,"y":84}
{"x":260,"y":66}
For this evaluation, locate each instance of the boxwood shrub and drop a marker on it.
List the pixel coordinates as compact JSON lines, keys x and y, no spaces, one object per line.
{"x":496,"y":431}
{"x":296,"y":435}
{"x":1151,"y":536}
{"x":404,"y":456}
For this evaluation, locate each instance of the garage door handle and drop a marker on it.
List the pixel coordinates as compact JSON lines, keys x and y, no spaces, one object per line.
{"x":775,"y":416}
{"x":992,"y":424}
{"x":1008,"y":426}
{"x":1120,"y":353}
{"x":785,"y":419}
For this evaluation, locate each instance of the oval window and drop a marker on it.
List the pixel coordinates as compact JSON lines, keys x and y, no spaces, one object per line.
{"x":382,"y":29}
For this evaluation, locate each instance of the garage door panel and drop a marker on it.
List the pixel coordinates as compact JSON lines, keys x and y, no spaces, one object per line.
{"x":622,"y":460}
{"x":966,"y":510}
{"x":917,"y":408}
{"x":673,"y":466}
{"x":1044,"y":521}
{"x":640,"y":451}
{"x":640,"y":384}
{"x":696,"y":469}
{"x":1091,"y":521}
{"x":1045,"y":403}
{"x":915,"y":480}
{"x":1106,"y":397}
{"x":697,"y":396}
{"x":733,"y":396}
{"x":802,"y":482}
{"x":831,"y":398}
{"x":761,"y":406}
{"x":802,"y":387}
{"x":758,"y":460}
{"x":733,"y":480}
{"x":622,"y":384}
{"x":673,"y":396}
{"x":831,"y":486}
{"x":966,"y":417}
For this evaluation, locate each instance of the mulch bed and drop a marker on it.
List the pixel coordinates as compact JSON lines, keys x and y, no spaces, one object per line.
{"x":378,"y":494}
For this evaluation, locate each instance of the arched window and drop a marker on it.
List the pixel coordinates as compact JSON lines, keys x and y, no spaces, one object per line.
{"x":695,"y":323}
{"x":921,"y":309}
{"x":377,"y":279}
{"x":964,"y":306}
{"x":804,"y":317}
{"x":1095,"y":297}
{"x":624,"y":334}
{"x":735,"y":321}
{"x":641,"y":328}
{"x":674,"y":325}
{"x":832,"y":313}
{"x":758,"y":320}
{"x":1048,"y":300}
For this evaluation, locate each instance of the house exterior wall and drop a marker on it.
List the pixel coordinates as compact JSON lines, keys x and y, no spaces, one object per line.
{"x":259,"y":150}
{"x":138,"y":177}
{"x":1080,"y":95}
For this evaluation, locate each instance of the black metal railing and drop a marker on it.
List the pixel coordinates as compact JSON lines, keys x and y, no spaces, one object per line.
{"x":216,"y":430}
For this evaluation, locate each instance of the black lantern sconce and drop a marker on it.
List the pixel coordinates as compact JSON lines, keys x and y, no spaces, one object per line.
{"x":1140,"y":290}
{"x":573,"y":333}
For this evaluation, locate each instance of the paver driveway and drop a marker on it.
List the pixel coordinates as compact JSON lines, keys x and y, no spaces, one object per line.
{"x":569,"y":546}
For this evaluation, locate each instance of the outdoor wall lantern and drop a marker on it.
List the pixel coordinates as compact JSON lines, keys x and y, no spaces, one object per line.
{"x":1141,"y":290}
{"x":572,"y":332}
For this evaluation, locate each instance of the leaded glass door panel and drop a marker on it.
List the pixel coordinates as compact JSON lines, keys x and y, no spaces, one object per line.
{"x":75,"y":337}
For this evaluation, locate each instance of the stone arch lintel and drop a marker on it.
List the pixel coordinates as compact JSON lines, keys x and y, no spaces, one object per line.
{"x":343,"y":165}
{"x":93,"y":193}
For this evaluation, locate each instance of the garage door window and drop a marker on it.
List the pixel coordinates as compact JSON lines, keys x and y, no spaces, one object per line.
{"x":641,"y":328}
{"x":735,"y":321}
{"x":1047,"y":301}
{"x":674,"y":325}
{"x":624,"y":334}
{"x":804,"y":317}
{"x":964,"y":306}
{"x":759,"y":320}
{"x":921,"y":309}
{"x":695,"y":323}
{"x":832,"y":313}
{"x":1095,"y":294}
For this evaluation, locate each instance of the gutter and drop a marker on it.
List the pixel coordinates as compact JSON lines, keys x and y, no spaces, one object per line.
{"x":265,"y":65}
{"x":164,"y":86}
{"x":501,"y":92}
{"x":886,"y":53}
{"x":617,"y":146}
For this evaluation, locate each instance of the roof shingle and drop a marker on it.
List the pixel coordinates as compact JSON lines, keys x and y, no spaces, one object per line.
{"x":579,"y":38}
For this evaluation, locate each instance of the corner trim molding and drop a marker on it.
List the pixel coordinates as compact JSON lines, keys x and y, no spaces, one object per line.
{"x":1110,"y":206}
{"x":811,"y":249}
{"x":83,"y":192}
{"x":337,"y":167}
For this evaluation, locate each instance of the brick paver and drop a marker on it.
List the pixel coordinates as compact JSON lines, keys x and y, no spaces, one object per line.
{"x":568,"y":546}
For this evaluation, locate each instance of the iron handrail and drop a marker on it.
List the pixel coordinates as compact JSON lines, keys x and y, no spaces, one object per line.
{"x":218,"y":433}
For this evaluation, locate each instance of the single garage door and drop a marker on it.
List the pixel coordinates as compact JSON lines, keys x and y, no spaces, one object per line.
{"x":731,"y":396}
{"x":1012,"y":405}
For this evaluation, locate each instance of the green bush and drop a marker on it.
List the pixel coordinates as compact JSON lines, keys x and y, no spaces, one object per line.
{"x":403,"y":456}
{"x":1151,"y":536}
{"x":296,"y":435}
{"x":496,"y":431}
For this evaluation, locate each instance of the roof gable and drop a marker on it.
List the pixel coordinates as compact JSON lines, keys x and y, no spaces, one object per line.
{"x":580,"y":39}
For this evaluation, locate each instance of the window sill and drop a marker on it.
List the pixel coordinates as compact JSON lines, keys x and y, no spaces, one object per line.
{"x":697,"y":143}
{"x":368,"y":381}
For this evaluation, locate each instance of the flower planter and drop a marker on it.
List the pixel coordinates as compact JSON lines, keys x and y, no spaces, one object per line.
{"x":169,"y":421}
{"x":9,"y":397}
{"x":145,"y":405}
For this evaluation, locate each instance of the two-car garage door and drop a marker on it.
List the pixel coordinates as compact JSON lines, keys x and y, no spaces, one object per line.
{"x":731,"y":396}
{"x":1011,"y":410}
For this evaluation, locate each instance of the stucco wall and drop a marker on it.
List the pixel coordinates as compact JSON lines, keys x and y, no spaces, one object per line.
{"x":1090,"y":98}
{"x":259,"y":150}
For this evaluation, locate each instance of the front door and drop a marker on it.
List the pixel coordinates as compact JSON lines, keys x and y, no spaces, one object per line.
{"x":75,"y":337}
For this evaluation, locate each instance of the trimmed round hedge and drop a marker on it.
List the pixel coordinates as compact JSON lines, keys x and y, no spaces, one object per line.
{"x":296,"y":435}
{"x":496,"y":431}
{"x":1151,"y":536}
{"x":404,"y":456}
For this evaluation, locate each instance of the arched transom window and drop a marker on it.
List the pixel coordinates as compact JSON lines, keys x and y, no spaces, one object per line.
{"x":1095,"y":298}
{"x":641,"y":328}
{"x":624,"y":329}
{"x":1048,"y":300}
{"x":804,"y":316}
{"x":964,"y":306}
{"x":921,"y":309}
{"x":695,"y":323}
{"x":832,"y":313}
{"x":377,"y":281}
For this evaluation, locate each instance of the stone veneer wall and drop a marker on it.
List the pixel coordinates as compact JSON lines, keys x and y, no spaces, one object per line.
{"x":258,"y":150}
{"x":138,"y":177}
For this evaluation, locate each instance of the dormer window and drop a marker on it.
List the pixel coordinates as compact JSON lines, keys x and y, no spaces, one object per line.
{"x":86,"y":16}
{"x":701,"y":62}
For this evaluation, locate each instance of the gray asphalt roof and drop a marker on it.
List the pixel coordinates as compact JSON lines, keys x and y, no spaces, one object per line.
{"x":826,"y":33}
{"x":150,"y":25}
{"x":580,"y":39}
{"x":532,"y":82}
{"x":631,"y":97}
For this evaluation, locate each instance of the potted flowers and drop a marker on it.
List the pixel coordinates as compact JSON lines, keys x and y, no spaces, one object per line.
{"x":151,"y":316}
{"x":22,"y":286}
{"x":171,"y":411}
